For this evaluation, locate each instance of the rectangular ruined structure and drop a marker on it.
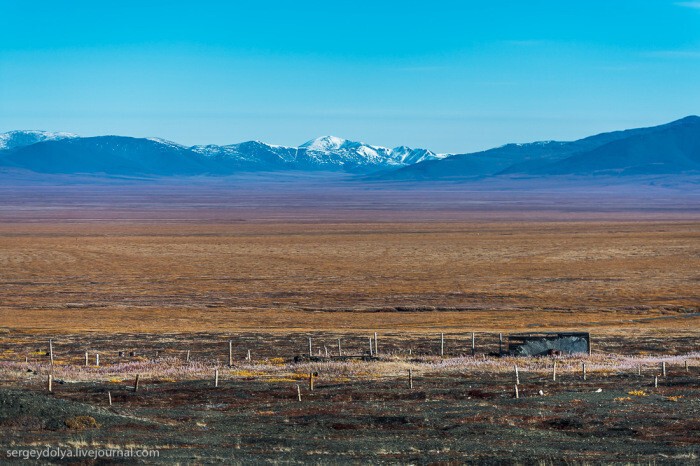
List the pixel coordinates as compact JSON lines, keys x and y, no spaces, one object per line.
{"x":548,"y":343}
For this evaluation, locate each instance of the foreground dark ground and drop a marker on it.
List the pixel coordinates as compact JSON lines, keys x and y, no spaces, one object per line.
{"x":447,"y":419}
{"x":461,"y":408}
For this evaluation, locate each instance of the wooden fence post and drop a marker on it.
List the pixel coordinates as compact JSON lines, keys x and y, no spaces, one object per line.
{"x":340,"y":352}
{"x":410,"y":379}
{"x":639,"y":370}
{"x":500,"y":344}
{"x":310,"y":351}
{"x":311,"y":381}
{"x":86,"y":359}
{"x":663,"y":368}
{"x":376,"y":348}
{"x":517,"y":376}
{"x":216,"y":378}
{"x":517,"y":395}
{"x":584,"y":370}
{"x":325,"y":348}
{"x":554,"y":372}
{"x":371,"y":349}
{"x":299,"y":392}
{"x":230,"y":353}
{"x":51,"y":351}
{"x":187,"y":357}
{"x":249,"y":357}
{"x":656,"y":381}
{"x":473,"y":345}
{"x":442,"y":345}
{"x":97,"y":359}
{"x":686,"y":366}
{"x":136,"y":383}
{"x":50,"y":383}
{"x":109,"y":397}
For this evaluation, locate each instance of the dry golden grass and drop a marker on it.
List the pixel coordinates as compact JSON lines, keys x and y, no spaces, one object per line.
{"x":140,"y":277}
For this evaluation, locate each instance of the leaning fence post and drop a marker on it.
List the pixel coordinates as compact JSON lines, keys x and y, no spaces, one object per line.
{"x":517,"y":395}
{"x":187,"y":358}
{"x":109,"y":397}
{"x":517,"y":376}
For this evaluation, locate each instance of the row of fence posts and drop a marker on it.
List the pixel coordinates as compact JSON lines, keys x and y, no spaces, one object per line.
{"x":374,"y":346}
{"x":374,"y":351}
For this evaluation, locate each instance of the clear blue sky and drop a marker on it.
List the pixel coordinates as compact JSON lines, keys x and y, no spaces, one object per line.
{"x":449,"y":76}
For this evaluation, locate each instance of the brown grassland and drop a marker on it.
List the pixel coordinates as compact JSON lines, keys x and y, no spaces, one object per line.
{"x":484,"y":276}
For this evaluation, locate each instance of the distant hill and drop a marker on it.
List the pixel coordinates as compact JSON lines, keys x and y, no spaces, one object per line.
{"x":115,"y":155}
{"x":670,"y":149}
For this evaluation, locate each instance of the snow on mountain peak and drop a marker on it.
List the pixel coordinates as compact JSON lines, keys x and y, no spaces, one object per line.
{"x":324,"y":143}
{"x":344,"y":152}
{"x":13,"y":139}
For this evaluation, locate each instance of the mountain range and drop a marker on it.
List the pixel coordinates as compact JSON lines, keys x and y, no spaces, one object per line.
{"x":669,"y":149}
{"x":66,"y":153}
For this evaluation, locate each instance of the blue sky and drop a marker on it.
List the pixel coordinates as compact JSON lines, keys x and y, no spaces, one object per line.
{"x":448,"y":76}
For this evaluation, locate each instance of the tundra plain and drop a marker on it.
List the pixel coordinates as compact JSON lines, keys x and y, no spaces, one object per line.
{"x":118,"y":270}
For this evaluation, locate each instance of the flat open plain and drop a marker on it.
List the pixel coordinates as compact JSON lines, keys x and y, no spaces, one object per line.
{"x":171,"y":269}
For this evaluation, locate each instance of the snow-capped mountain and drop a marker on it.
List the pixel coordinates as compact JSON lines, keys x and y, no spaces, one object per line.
{"x":68,"y":153}
{"x":332,"y":149}
{"x":13,"y":139}
{"x":326,"y":152}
